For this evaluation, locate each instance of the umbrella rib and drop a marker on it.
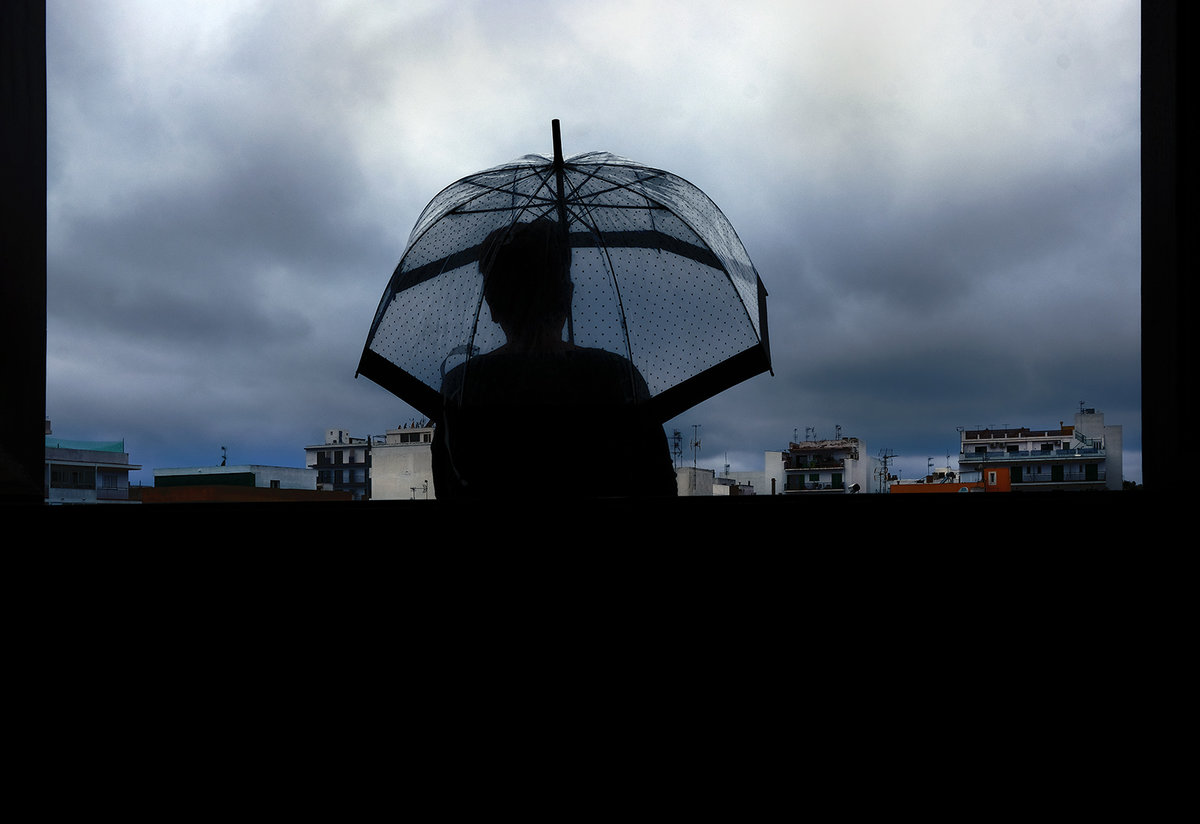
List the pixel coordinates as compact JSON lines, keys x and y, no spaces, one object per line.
{"x":488,"y":189}
{"x":648,"y":239}
{"x":617,"y":184}
{"x":516,"y":212}
{"x":552,"y":198}
{"x":582,"y":200}
{"x":708,"y":251}
{"x":594,"y":228}
{"x":533,"y":172}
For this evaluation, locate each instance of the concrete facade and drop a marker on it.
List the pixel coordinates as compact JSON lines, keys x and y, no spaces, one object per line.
{"x":342,"y":463}
{"x":839,"y":466}
{"x":397,"y":465}
{"x":1085,"y":455}
{"x":731,"y":487}
{"x":941,"y":481}
{"x":693,"y":482}
{"x":86,"y":472}
{"x":256,"y":475}
{"x":402,"y":465}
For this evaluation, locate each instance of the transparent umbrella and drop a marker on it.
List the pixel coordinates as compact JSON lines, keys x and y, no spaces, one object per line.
{"x":659,"y":277}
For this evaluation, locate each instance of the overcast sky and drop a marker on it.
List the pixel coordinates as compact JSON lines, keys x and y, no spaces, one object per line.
{"x":942,"y":199}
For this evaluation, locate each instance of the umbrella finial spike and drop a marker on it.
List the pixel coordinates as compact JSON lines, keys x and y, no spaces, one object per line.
{"x":559,"y":166}
{"x":558,"y":155}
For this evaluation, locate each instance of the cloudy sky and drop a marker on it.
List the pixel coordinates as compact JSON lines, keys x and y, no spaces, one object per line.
{"x":942,"y":199}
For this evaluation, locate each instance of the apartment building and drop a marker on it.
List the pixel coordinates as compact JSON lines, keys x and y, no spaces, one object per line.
{"x":837,"y":466}
{"x":86,"y":472}
{"x":1083,"y":455}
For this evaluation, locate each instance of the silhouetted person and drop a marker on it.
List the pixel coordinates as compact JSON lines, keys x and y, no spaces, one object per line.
{"x":539,"y":416}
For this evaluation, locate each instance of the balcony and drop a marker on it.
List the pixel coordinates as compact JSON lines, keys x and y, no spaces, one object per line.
{"x":997,"y":457}
{"x":1098,"y":476}
{"x":793,"y":484}
{"x":815,"y":464}
{"x":324,"y":460}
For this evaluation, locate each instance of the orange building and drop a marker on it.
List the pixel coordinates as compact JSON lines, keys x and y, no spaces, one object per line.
{"x":1083,"y":456}
{"x":995,"y":479}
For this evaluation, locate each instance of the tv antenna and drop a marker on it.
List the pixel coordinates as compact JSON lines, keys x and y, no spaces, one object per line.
{"x":695,"y":443}
{"x":885,"y":457}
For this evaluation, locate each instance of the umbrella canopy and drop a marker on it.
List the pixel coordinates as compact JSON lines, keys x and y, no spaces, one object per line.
{"x":659,"y":277}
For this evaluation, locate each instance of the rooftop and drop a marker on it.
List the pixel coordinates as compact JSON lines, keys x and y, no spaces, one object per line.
{"x":813,"y":446}
{"x":54,"y":442}
{"x":1016,"y":432}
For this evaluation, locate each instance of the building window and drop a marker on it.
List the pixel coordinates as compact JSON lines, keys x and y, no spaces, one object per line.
{"x":72,"y":477}
{"x":992,"y":478}
{"x":274,"y":484}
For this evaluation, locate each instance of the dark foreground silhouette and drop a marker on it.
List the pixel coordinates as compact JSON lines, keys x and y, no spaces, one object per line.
{"x":540,"y":416}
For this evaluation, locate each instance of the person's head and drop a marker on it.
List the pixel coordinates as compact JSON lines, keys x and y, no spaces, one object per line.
{"x":526,"y":272}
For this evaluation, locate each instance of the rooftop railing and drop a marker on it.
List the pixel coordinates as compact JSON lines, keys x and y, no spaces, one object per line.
{"x":996,"y":456}
{"x":812,"y":486}
{"x":827,"y":463}
{"x":1066,"y":477}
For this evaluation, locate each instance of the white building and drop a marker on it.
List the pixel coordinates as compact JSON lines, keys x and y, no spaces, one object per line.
{"x":395,"y":466}
{"x":402,"y":464}
{"x":245,"y":475}
{"x":837,"y":466}
{"x":692,"y":482}
{"x":753,"y":482}
{"x":342,"y":463}
{"x":1086,"y":455}
{"x":729,"y":486}
{"x":86,"y":472}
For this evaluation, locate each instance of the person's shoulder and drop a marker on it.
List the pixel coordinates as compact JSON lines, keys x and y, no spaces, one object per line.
{"x":599,"y":356}
{"x":602,"y":362}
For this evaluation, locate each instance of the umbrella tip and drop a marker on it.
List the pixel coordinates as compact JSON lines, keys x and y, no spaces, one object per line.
{"x":558,"y":155}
